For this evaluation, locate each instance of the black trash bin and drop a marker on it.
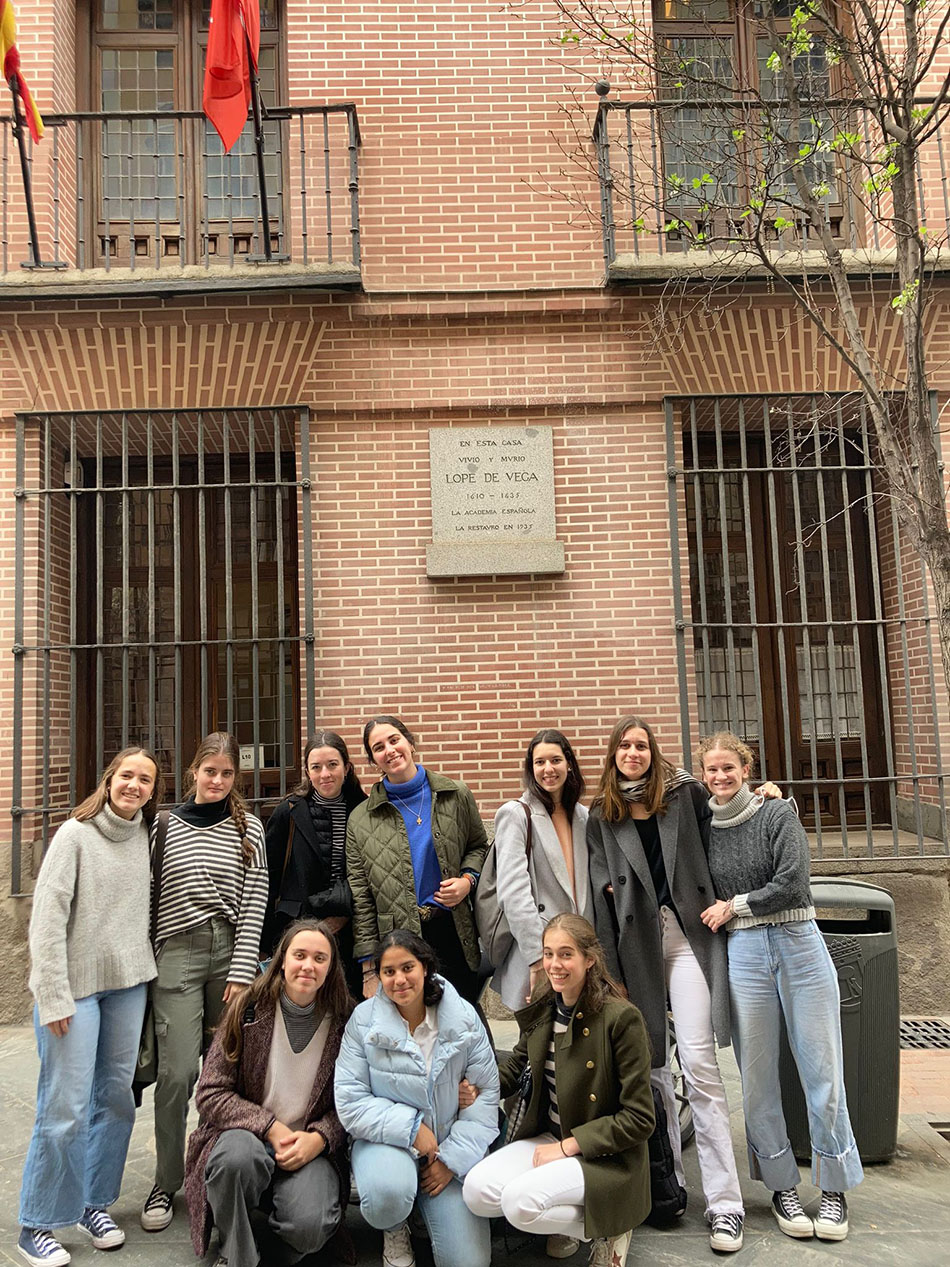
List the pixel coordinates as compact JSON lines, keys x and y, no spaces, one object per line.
{"x":857,"y":923}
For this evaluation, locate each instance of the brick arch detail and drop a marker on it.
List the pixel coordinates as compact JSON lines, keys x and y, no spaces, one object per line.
{"x":193,"y":365}
{"x":723,"y":351}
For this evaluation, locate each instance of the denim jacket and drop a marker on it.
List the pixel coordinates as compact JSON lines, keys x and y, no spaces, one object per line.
{"x":383,"y":1091}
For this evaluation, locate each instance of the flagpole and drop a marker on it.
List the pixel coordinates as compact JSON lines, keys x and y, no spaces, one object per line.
{"x":259,"y":143}
{"x":18,"y":124}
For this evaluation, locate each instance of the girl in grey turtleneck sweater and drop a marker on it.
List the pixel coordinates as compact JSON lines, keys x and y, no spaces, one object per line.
{"x":779,"y":969}
{"x":90,"y":961}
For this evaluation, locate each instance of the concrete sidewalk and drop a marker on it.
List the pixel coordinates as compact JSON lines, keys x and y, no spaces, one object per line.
{"x":899,"y":1215}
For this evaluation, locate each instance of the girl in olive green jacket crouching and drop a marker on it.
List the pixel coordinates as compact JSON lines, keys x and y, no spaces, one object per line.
{"x":577,"y":1166}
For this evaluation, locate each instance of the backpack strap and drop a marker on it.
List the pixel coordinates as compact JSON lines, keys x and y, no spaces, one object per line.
{"x":158,"y":864}
{"x":287,"y":853}
{"x":528,"y":840}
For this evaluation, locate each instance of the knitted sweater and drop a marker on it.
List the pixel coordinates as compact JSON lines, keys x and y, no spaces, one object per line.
{"x":763,"y":863}
{"x":90,"y":912}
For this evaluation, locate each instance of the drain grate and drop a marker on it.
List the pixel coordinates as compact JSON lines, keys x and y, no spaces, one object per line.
{"x":925,"y":1034}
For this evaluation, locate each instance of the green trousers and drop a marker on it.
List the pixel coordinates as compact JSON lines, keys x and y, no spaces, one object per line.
{"x":188,"y":999}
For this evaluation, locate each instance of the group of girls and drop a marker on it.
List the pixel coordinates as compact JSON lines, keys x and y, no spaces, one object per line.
{"x":371,"y":897}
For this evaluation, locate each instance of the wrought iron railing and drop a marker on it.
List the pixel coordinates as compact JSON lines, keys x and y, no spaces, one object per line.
{"x":156,"y":191}
{"x":686,"y":175}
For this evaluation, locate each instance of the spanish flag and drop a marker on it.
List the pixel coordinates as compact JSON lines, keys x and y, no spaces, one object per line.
{"x":10,"y":61}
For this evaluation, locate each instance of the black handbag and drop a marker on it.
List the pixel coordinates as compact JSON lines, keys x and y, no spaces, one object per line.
{"x":146,"y":1063}
{"x":520,"y":1107}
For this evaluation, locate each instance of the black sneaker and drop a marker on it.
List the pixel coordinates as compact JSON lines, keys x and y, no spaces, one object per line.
{"x":725,"y":1234}
{"x":157,"y":1212}
{"x":831,"y":1223}
{"x":791,"y":1218}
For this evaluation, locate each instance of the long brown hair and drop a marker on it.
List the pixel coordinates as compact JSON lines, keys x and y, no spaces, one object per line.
{"x":96,"y":801}
{"x":609,"y":799}
{"x":574,"y":783}
{"x":600,"y":984}
{"x":220,"y":744}
{"x":335,"y":998}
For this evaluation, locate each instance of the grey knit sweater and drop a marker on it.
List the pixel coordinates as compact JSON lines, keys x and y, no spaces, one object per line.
{"x":763,"y":864}
{"x":90,"y":913}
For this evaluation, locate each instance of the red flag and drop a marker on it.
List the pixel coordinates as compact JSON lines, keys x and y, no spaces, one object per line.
{"x":227,"y":87}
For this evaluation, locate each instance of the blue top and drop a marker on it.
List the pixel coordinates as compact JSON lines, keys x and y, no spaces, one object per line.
{"x":383,"y":1090}
{"x":414,"y":800}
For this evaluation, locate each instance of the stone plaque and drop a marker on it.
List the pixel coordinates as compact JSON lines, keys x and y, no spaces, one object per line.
{"x":492,"y":501}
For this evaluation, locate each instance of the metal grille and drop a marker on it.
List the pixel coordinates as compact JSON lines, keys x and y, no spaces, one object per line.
{"x":803,"y":621}
{"x":930,"y":1033}
{"x":160,"y":565}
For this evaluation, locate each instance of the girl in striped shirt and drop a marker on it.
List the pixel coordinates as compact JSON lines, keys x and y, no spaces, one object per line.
{"x":210,"y":887}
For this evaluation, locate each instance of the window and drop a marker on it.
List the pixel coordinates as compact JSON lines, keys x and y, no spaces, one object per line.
{"x":779,"y":512}
{"x":163,"y":186}
{"x":731,"y":141}
{"x":161,"y":597}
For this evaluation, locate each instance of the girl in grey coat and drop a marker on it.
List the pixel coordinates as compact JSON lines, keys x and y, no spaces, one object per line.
{"x":647,"y":836}
{"x":549,"y":878}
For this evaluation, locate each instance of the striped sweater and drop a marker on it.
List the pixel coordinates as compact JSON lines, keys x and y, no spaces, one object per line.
{"x":204,"y":876}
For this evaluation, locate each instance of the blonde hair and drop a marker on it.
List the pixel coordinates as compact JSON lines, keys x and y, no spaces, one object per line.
{"x":728,"y":742}
{"x":219,"y":743}
{"x":96,"y":801}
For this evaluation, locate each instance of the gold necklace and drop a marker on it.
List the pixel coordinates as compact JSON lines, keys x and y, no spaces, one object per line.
{"x":422,"y":800}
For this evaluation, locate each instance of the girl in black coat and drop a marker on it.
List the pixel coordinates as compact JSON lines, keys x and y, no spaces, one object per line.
{"x":306,"y":850}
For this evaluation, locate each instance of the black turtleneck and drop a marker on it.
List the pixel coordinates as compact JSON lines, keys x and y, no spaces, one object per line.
{"x":207,"y":815}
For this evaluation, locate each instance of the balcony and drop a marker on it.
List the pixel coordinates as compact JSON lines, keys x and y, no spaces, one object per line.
{"x":680,"y":181}
{"x":142,"y":201}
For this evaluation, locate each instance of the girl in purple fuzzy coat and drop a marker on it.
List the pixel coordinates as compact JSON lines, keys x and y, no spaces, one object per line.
{"x":269,"y":1132}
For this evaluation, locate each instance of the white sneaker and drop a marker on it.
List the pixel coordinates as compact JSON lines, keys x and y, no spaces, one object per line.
{"x":609,"y":1251}
{"x":397,"y":1247}
{"x":560,"y":1246}
{"x":831,"y":1223}
{"x":725,"y":1234}
{"x":790,"y":1216}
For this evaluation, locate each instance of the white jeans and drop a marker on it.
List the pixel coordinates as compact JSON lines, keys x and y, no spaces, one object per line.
{"x":696,"y":1048}
{"x":542,"y":1199}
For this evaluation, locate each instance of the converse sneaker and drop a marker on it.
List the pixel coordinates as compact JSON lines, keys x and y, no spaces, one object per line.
{"x":397,"y":1247}
{"x":832,"y":1221}
{"x":157,"y":1212}
{"x":790,"y":1216}
{"x":609,"y":1251}
{"x":102,"y":1228}
{"x":41,"y":1248}
{"x":725,"y":1234}
{"x":559,"y":1246}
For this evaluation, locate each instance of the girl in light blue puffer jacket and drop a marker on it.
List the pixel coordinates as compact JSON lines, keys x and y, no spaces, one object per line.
{"x":404,"y":1053}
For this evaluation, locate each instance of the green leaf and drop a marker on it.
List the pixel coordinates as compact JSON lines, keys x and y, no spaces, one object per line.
{"x":907,"y":296}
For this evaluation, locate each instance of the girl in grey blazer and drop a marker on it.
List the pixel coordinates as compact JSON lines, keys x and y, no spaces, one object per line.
{"x":555,"y":878}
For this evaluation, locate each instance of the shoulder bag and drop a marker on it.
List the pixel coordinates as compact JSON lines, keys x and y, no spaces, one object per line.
{"x":146,"y":1064}
{"x":493,"y":927}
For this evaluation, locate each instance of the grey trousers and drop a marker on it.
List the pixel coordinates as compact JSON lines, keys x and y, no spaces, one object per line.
{"x":306,"y":1202}
{"x":187,"y":1000}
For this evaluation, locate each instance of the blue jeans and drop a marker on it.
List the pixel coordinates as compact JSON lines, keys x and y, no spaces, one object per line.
{"x":785,"y":970}
{"x":84,"y":1109}
{"x":387,"y":1179}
